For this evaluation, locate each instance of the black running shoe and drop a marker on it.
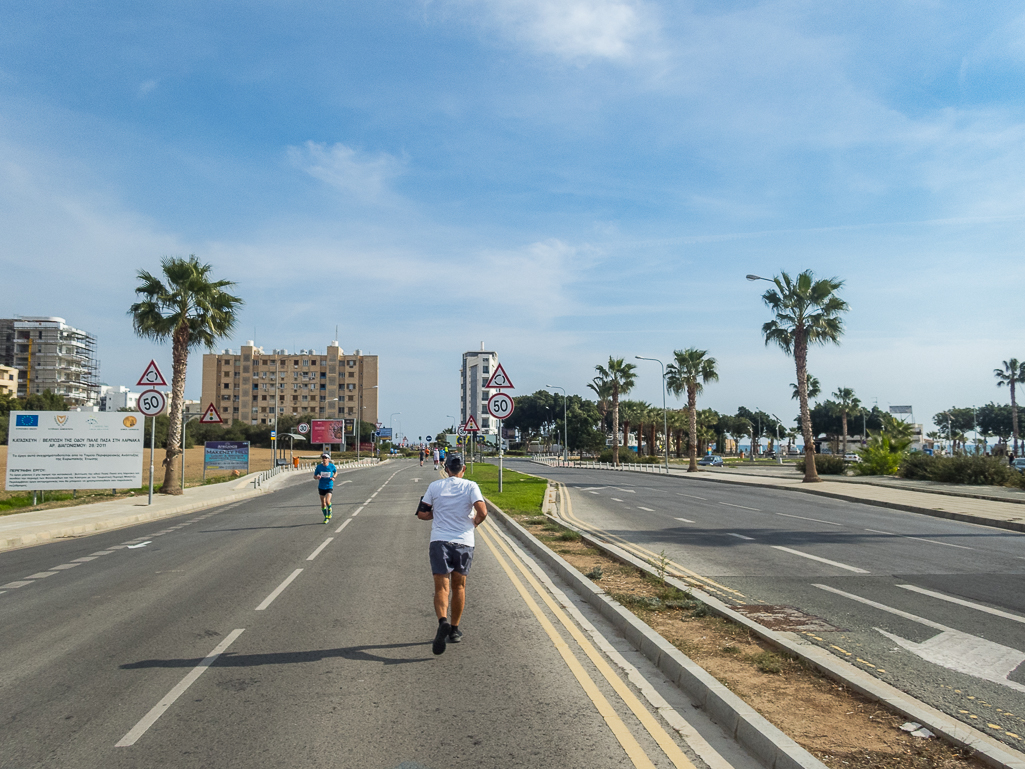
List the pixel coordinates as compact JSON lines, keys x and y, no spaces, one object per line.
{"x":455,"y":635}
{"x":441,"y":637}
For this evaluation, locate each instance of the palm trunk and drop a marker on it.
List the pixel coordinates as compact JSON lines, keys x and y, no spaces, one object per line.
{"x":1014,"y":417}
{"x":180,"y":361}
{"x":811,"y":474}
{"x":692,"y":403}
{"x":654,"y":436}
{"x":615,"y":425}
{"x":843,"y":418}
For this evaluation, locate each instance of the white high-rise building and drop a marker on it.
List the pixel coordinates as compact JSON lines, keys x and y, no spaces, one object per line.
{"x":477,"y":369}
{"x":114,"y":398}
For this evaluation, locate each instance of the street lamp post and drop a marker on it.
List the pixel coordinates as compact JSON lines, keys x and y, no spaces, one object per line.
{"x":779,"y":458}
{"x":185,"y":422}
{"x":359,"y":412}
{"x":665,"y":418}
{"x":391,"y":425}
{"x":565,"y":424}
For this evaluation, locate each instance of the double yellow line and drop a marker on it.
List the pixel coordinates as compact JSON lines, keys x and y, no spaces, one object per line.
{"x":616,"y":724}
{"x":674,"y":569}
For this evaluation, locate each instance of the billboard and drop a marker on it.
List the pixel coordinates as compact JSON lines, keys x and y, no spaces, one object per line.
{"x":326,"y":431}
{"x":226,"y":455}
{"x":74,"y":450}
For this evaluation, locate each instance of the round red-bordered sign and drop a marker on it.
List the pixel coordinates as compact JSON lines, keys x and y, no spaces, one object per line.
{"x":152,"y":402}
{"x":501,"y":406}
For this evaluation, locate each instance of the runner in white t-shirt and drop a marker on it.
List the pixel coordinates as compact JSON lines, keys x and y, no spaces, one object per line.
{"x":437,"y":459}
{"x":455,"y":507}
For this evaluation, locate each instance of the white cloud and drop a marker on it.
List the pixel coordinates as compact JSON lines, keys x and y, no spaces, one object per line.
{"x":573,"y":29}
{"x":365,"y":176}
{"x":146,"y":86}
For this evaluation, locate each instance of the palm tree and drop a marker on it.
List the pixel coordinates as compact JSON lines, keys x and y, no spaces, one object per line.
{"x":814,"y":390}
{"x":620,"y":377}
{"x":192,"y":311}
{"x":1011,"y":374}
{"x":807,"y":312}
{"x":846,"y":403}
{"x":690,"y":371}
{"x":603,"y":389}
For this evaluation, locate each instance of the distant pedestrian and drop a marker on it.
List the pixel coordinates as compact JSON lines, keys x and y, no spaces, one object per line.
{"x":437,"y":459}
{"x":421,"y":456}
{"x":455,"y":507}
{"x":325,"y":475}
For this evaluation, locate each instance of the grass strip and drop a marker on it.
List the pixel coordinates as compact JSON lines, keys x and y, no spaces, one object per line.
{"x":521,"y":494}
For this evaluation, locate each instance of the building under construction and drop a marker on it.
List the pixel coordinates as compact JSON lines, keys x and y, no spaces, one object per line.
{"x":51,"y":355}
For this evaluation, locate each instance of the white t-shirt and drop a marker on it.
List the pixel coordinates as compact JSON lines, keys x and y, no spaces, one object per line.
{"x":452,"y":499}
{"x":437,"y":455}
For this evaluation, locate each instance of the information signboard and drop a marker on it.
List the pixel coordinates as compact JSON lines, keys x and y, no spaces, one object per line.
{"x":74,"y":450}
{"x":326,"y":430}
{"x":226,"y":455}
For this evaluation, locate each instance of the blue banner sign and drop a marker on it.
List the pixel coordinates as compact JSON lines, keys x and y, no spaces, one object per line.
{"x":226,"y":455}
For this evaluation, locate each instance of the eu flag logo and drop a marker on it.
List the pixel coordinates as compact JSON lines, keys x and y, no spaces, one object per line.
{"x":27,"y":420}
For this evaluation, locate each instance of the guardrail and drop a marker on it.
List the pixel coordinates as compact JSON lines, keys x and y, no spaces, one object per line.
{"x":638,"y":467}
{"x":266,"y":475}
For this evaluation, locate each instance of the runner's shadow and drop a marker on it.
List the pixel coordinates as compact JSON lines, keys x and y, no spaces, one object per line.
{"x":230,"y":660}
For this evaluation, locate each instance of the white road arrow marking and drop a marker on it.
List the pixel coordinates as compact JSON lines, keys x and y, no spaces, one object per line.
{"x":141,"y":544}
{"x":952,"y":649}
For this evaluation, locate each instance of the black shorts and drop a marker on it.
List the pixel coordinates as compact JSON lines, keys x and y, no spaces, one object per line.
{"x":448,"y":557}
{"x":324,"y":492}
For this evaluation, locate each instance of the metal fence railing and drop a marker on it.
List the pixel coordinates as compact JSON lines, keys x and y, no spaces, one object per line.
{"x":260,"y":478}
{"x":635,"y":467}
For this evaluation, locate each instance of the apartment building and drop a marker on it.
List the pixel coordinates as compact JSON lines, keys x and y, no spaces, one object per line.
{"x":9,"y":380}
{"x":256,"y":386}
{"x":477,"y":369}
{"x":51,"y":355}
{"x":115,"y":398}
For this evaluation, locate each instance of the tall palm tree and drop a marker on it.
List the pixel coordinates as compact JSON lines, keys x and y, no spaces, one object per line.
{"x":603,"y":389}
{"x":620,"y":377}
{"x":191,"y":310}
{"x":689,"y":371}
{"x":846,"y":403}
{"x":814,"y":389}
{"x":807,"y":311}
{"x":1011,"y":374}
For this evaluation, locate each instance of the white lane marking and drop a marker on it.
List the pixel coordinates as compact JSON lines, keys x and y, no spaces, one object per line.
{"x":593,"y":492}
{"x":416,"y":480}
{"x":625,"y":491}
{"x":279,"y":590}
{"x":141,"y":544}
{"x":755,"y":509}
{"x":117,"y":547}
{"x":102,"y":552}
{"x":837,"y":564}
{"x":41,"y":575}
{"x":161,"y":707}
{"x":344,"y":482}
{"x":615,"y":500}
{"x":817,"y":520}
{"x":359,"y":508}
{"x":920,"y":539}
{"x":19,"y":583}
{"x":346,"y":523}
{"x":316,"y":552}
{"x":685,"y":520}
{"x":592,"y":488}
{"x":84,"y":559}
{"x":691,"y":496}
{"x":962,"y":602}
{"x":645,"y":508}
{"x":953,"y":649}
{"x":740,"y":536}
{"x":66,"y":566}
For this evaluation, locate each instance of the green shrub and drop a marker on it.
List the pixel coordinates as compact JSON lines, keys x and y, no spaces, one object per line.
{"x":882,"y":455}
{"x":918,"y":466}
{"x":980,"y":471}
{"x":625,"y":456}
{"x":825,"y":464}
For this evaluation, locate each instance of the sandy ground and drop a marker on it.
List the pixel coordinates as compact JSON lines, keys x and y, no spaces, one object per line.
{"x":259,"y":459}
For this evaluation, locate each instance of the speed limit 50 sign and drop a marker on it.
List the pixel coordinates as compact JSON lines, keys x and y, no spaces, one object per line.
{"x":152,"y":402}
{"x":500,"y":405}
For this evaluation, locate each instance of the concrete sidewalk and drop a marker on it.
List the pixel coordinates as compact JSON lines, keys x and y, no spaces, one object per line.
{"x":38,"y":526}
{"x":986,"y":510}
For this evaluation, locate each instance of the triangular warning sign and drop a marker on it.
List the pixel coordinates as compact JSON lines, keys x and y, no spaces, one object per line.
{"x":499,"y":380}
{"x":471,"y":425}
{"x":211,"y":416}
{"x":152,"y":377}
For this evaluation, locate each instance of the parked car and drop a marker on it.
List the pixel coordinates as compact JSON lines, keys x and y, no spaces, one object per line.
{"x":1019,"y":464}
{"x":850,"y":457}
{"x":713,"y":460}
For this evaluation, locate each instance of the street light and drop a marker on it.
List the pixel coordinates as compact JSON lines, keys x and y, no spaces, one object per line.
{"x":185,"y":422}
{"x":391,"y":424}
{"x":759,"y":277}
{"x":665,"y":419}
{"x":565,"y":424}
{"x":779,"y":457}
{"x":359,"y":414}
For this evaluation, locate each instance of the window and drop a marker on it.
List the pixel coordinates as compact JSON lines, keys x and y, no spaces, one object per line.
{"x":485,"y":422}
{"x":306,"y":361}
{"x":227,"y":386}
{"x":352,"y":375}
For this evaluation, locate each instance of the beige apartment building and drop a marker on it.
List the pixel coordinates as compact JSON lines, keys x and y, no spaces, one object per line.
{"x":9,"y":380}
{"x":254,"y":386}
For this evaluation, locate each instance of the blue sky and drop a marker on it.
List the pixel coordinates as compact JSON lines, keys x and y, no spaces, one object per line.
{"x":564,"y":181}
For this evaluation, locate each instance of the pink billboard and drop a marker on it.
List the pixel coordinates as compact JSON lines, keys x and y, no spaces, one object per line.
{"x":326,"y":431}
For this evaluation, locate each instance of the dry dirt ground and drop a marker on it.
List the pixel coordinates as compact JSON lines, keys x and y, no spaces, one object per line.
{"x":840,"y":728}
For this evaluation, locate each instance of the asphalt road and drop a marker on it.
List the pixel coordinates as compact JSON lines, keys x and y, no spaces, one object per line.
{"x":934,"y":607}
{"x":254,"y":635}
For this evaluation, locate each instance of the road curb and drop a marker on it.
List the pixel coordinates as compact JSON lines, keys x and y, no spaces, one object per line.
{"x":770,"y":747}
{"x":990,"y":751}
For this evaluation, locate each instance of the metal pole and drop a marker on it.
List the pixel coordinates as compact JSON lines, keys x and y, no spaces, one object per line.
{"x":359,"y":412}
{"x":665,"y":416}
{"x":501,"y":452}
{"x":152,"y":450}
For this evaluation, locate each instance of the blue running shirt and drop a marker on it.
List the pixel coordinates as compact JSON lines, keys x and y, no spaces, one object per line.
{"x":326,"y":476}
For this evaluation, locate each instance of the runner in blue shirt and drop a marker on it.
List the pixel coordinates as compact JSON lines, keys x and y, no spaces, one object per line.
{"x":325,"y":475}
